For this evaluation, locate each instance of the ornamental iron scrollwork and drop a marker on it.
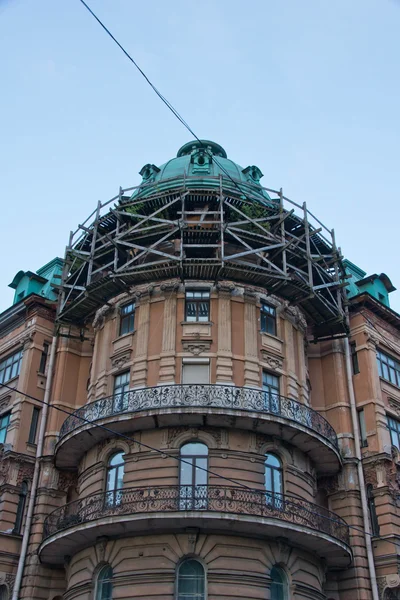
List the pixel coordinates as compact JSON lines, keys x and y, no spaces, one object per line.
{"x":197,"y":396}
{"x":200,"y":498}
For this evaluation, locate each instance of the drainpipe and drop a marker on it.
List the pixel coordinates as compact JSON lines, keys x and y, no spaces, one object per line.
{"x":35,"y":479}
{"x":364,"y":503}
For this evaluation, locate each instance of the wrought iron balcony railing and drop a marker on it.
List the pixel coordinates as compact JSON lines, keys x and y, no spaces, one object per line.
{"x":205,"y":396}
{"x":232,"y":500}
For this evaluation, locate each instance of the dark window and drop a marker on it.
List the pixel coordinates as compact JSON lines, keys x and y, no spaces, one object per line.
{"x":372,"y":510}
{"x":388,"y":368}
{"x":268,"y":318}
{"x":394,"y":428}
{"x":127,"y":322}
{"x":43,"y":358}
{"x":115,"y":479}
{"x":104,"y":583}
{"x":279,"y":585}
{"x":121,"y":387}
{"x":4,"y":421}
{"x":191,"y":580}
{"x":363,"y":431}
{"x":271,"y":392}
{"x":34,"y":425}
{"x":193,"y":480}
{"x":354,"y":358}
{"x":21,"y":508}
{"x":10,"y":367}
{"x":197,"y":305}
{"x":273,"y":480}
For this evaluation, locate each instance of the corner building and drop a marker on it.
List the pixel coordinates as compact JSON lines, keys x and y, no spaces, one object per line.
{"x":218,"y":421}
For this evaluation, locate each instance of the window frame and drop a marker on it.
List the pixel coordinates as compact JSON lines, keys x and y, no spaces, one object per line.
{"x":362,"y":427}
{"x":268,"y":320}
{"x":33,"y":429}
{"x":354,"y":358}
{"x":113,"y":495}
{"x":100,"y":580}
{"x":120,"y":399}
{"x":395,"y":430}
{"x":273,"y":496}
{"x":192,"y":501}
{"x":203,"y":299}
{"x":6,"y":415}
{"x":43,"y":358}
{"x":127,"y":318}
{"x":202,"y":596}
{"x":284,"y":583}
{"x":19,"y":517}
{"x":388,"y":368}
{"x":272,"y":393}
{"x":12,"y":361}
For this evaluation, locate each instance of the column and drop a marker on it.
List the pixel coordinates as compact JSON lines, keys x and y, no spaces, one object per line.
{"x":139,"y":368}
{"x":168,"y":347}
{"x":251,"y":363}
{"x":224,"y":356}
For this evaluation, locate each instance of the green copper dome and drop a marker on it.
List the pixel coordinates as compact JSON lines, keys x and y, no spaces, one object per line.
{"x":199,"y":164}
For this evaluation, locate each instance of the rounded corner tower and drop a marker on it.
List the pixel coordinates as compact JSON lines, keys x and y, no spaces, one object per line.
{"x":194,"y":449}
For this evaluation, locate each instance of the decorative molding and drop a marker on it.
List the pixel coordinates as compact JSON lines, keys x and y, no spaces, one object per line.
{"x":101,"y":315}
{"x":119,"y":360}
{"x":273,"y":362}
{"x":394,"y":405}
{"x":4,"y":403}
{"x":295,"y":316}
{"x":196,"y":348}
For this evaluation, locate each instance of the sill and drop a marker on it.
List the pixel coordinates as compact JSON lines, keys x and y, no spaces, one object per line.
{"x":124,"y":335}
{"x":197,"y":323}
{"x":389,"y":382}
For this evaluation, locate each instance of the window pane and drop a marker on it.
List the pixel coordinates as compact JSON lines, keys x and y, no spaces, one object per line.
{"x":200,"y":475}
{"x":191,"y":581}
{"x":194,"y":449}
{"x":186,"y":472}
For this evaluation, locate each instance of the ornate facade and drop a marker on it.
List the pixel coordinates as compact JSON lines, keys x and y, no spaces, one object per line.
{"x":214,"y":424}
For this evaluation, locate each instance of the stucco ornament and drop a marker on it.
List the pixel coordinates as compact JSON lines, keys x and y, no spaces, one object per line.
{"x":196,"y":348}
{"x":394,"y":405}
{"x":272,"y":361}
{"x":119,"y":360}
{"x":101,"y":315}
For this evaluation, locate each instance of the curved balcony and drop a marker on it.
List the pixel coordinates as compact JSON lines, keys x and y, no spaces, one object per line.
{"x":199,"y":405}
{"x":229,"y":510}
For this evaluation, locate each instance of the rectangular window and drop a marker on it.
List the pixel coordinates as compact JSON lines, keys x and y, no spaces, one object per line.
{"x":43,"y":358}
{"x":271,"y":392}
{"x":363,"y":431}
{"x":121,"y":387}
{"x":354,"y":358}
{"x":388,"y":368}
{"x":196,"y":373}
{"x":4,"y":421}
{"x":197,"y":306}
{"x":394,"y":428}
{"x":268,"y":318}
{"x":34,"y":425}
{"x":10,"y":367}
{"x":127,"y":322}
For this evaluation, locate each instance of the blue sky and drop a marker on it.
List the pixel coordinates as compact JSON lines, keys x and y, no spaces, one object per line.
{"x":309,"y":91}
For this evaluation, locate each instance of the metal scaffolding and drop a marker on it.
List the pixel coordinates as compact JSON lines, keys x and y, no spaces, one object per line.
{"x":212,"y":232}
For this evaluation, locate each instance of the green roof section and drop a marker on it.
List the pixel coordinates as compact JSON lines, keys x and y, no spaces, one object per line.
{"x":43,"y":282}
{"x":197,"y":165}
{"x":378,"y":286}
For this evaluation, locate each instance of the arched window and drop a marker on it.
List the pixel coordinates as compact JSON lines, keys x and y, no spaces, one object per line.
{"x":193,"y":480}
{"x":191,"y":580}
{"x":273,"y":480}
{"x":104,"y":583}
{"x":372,"y":510}
{"x":115,"y":478}
{"x":20,"y":509}
{"x":279,"y":584}
{"x":3,"y":592}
